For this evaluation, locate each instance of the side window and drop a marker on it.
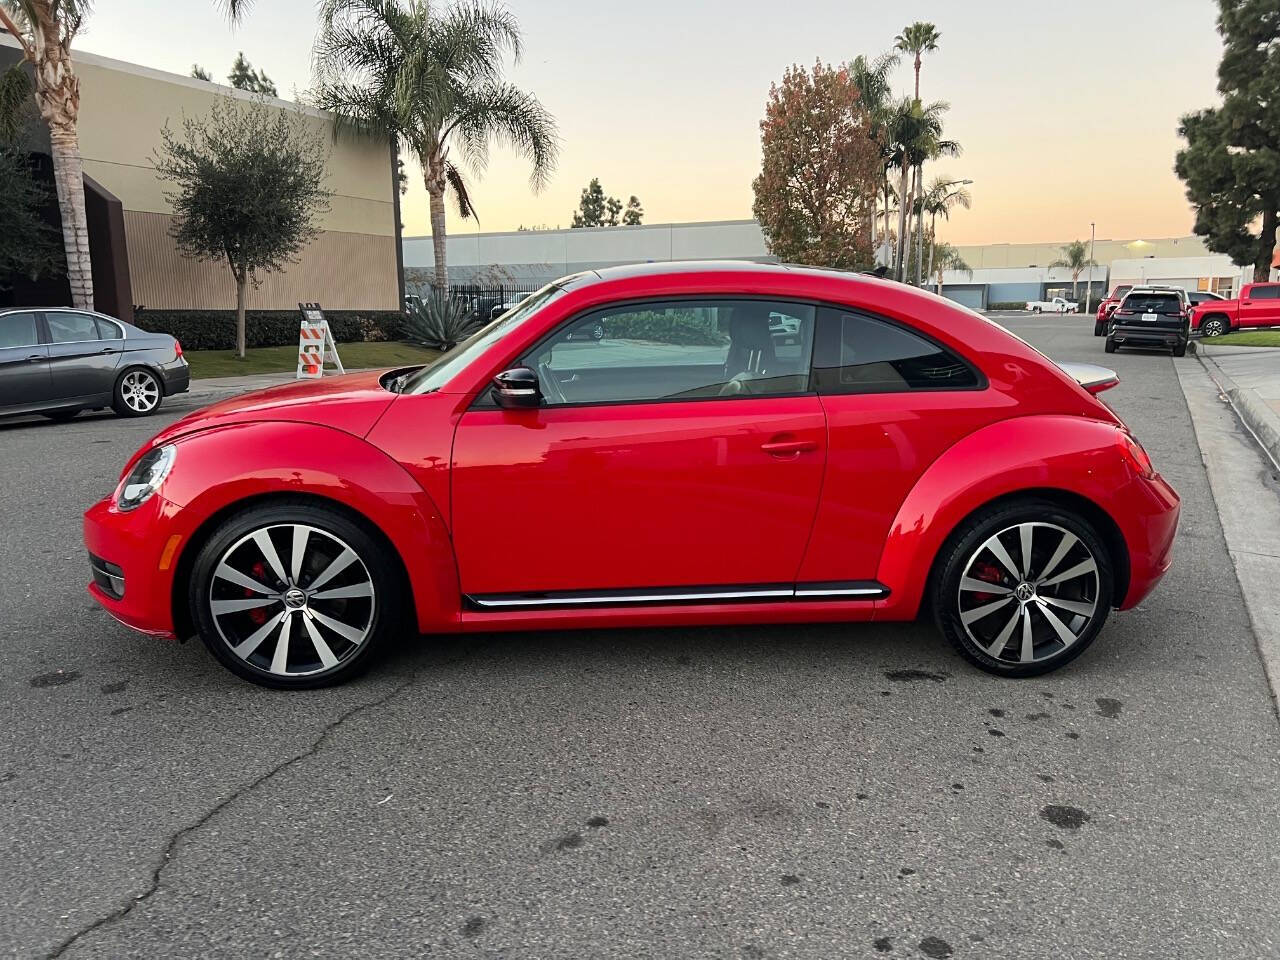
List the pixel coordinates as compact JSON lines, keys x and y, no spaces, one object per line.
{"x":1268,"y":292}
{"x":66,"y":327}
{"x":689,"y":349}
{"x":107,"y":330}
{"x":859,"y":354}
{"x":18,"y":330}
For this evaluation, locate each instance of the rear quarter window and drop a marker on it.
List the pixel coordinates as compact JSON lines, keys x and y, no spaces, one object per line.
{"x":861,"y":354}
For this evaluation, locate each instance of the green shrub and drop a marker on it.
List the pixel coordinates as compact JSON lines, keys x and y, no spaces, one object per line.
{"x":1008,"y":305}
{"x":216,"y":329}
{"x":685,"y":327}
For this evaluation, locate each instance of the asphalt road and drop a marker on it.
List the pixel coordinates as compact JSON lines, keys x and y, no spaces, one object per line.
{"x":810,"y":791}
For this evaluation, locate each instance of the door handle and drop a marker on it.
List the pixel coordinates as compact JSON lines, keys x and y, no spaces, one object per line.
{"x":783,"y":448}
{"x":108,"y":349}
{"x":36,"y":358}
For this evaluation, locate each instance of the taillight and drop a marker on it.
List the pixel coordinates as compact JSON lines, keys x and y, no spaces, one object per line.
{"x":177,"y":348}
{"x":1133,"y":454}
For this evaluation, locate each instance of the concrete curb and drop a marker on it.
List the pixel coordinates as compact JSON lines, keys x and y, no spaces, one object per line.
{"x":1254,"y":412}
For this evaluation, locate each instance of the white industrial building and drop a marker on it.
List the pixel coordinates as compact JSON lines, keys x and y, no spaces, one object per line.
{"x":1003,"y":273}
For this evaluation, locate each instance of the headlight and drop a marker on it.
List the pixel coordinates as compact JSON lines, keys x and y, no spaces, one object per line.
{"x":145,"y":477}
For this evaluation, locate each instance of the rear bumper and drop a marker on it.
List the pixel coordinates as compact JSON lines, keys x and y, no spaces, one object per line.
{"x":1149,"y":522}
{"x":131,"y":562}
{"x":176,"y":376}
{"x":1135,"y":336}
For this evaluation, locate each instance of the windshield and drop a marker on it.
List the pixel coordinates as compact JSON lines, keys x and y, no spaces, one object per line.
{"x":441,"y":370}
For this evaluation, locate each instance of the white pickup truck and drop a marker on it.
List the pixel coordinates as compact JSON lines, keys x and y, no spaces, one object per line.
{"x":1056,"y":305}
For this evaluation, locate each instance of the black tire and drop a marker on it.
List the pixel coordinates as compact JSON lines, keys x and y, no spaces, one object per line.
{"x":1035,"y":309}
{"x":138,"y":393}
{"x":1214,"y":327}
{"x":1180,"y":350}
{"x":967,"y":543}
{"x":61,"y":416}
{"x":1099,"y":329}
{"x":384,"y":613}
{"x":1110,"y":346}
{"x":597,"y":331}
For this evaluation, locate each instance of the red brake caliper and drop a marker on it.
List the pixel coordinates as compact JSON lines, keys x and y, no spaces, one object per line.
{"x":258,"y":614}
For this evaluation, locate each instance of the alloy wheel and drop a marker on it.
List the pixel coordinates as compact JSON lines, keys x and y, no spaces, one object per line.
{"x":1213,"y":328}
{"x":1029,"y":592}
{"x":140,"y":391}
{"x":292,"y":600}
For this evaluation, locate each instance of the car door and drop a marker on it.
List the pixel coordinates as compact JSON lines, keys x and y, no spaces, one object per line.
{"x":895,"y":400}
{"x":25,"y":380}
{"x":684,"y":448}
{"x":83,"y":361}
{"x":1262,"y":306}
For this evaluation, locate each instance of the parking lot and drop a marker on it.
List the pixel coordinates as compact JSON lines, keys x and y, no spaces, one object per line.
{"x":799,"y":791}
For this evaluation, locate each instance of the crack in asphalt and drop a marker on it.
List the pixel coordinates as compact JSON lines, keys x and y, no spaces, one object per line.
{"x":171,"y":846}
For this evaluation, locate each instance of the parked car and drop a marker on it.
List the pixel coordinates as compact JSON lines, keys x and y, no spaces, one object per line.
{"x":1056,"y":305}
{"x":1197,"y":297}
{"x":908,"y":455}
{"x":1111,"y":301}
{"x":501,"y":308}
{"x":57,"y":362}
{"x":1257,"y":306}
{"x":1151,"y":317}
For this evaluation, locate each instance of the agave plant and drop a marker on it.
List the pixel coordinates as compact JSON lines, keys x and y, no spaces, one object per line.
{"x":439,"y":320}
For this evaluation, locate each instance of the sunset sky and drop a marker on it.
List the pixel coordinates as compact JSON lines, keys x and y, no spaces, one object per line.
{"x":1067,"y":112}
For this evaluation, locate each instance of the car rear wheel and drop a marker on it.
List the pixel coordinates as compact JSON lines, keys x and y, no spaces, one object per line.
{"x":294,"y":596}
{"x":1110,"y":346}
{"x":1035,"y":309}
{"x":1213,"y":327}
{"x":1099,"y":329}
{"x":1180,"y":350}
{"x":1023,"y":588}
{"x":138,"y":393}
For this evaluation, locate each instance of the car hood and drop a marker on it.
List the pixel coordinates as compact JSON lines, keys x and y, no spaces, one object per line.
{"x":352,"y":403}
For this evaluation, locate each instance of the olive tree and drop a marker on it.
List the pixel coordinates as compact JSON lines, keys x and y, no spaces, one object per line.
{"x":246,"y":187}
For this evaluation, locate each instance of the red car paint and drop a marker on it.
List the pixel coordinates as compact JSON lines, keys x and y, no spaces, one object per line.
{"x":1257,"y":306}
{"x":624,"y":496}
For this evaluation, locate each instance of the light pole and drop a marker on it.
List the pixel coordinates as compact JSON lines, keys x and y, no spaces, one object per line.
{"x":1088,"y":287}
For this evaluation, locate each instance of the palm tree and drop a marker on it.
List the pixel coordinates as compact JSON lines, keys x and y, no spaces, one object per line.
{"x":1075,"y":257}
{"x":915,"y":130}
{"x":45,"y":29}
{"x":948,"y":257}
{"x":941,"y":196}
{"x":432,"y":80}
{"x":872,"y":80}
{"x":918,"y":39}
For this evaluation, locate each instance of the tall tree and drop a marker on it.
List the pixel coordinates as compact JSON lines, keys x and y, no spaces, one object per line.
{"x":634,"y":215}
{"x":939,"y":199}
{"x":597,"y":209}
{"x":1075,"y":257}
{"x":917,"y":39}
{"x":1231,"y":164}
{"x":821,"y":170}
{"x":947,"y":257}
{"x":432,"y":77}
{"x":45,"y":29}
{"x":244,"y":77}
{"x":246,"y":187}
{"x":200,"y":73}
{"x":915,"y":131}
{"x":873,"y":79}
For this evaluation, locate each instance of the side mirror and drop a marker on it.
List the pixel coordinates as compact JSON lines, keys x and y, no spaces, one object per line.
{"x":517,"y":388}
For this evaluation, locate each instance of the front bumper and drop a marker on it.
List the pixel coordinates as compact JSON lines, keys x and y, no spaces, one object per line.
{"x":1135,"y":336}
{"x":132,"y":555}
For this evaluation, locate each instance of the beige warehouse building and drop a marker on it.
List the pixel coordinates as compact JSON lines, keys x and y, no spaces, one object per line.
{"x":354,"y":264}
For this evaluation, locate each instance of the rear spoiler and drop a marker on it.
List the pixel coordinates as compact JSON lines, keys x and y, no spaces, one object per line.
{"x":1092,"y":377}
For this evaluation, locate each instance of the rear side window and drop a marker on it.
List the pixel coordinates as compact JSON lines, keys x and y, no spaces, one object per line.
{"x":860,"y":354}
{"x":67,"y":327}
{"x":1152,"y":303}
{"x":1269,"y":292}
{"x":18,"y":330}
{"x":107,"y":330}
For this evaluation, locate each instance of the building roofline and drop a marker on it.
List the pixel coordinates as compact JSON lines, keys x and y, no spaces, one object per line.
{"x":151,"y":73}
{"x":588,"y":230}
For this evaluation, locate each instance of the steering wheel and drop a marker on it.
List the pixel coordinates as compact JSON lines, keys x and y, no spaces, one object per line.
{"x":550,"y":385}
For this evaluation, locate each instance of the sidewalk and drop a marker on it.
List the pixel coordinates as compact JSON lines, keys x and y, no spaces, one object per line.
{"x":213,"y":388}
{"x":1250,"y":378}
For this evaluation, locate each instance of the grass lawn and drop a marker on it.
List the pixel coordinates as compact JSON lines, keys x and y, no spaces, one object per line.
{"x":225,"y":363}
{"x":1249,"y":338}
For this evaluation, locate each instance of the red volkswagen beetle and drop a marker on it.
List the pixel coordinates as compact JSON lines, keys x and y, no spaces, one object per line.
{"x":743,"y":444}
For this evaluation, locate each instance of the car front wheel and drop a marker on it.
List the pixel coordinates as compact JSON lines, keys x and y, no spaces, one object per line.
{"x":294,"y":595}
{"x":1023,"y":588}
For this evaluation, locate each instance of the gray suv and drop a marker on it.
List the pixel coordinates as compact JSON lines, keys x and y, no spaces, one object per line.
{"x":57,"y":362}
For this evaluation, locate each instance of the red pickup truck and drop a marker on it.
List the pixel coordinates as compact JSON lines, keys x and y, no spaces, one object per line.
{"x":1257,"y":306}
